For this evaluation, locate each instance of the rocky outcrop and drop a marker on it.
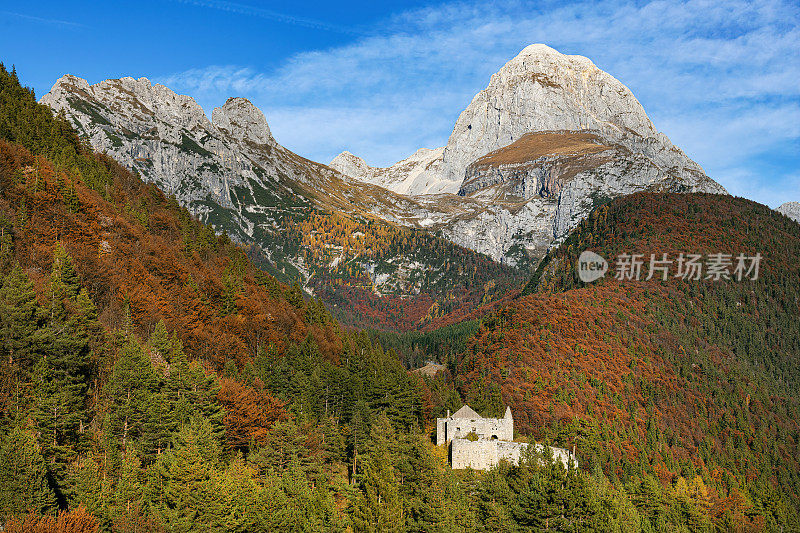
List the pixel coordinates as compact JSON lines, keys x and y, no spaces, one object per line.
{"x":166,"y":137}
{"x":791,"y":210}
{"x":543,"y":184}
{"x":417,"y":174}
{"x":539,"y":164}
{"x":544,"y":90}
{"x":241,"y":120}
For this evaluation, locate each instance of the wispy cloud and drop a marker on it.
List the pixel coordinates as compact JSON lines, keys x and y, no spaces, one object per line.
{"x":719,"y":78}
{"x":41,"y":20}
{"x":253,"y":11}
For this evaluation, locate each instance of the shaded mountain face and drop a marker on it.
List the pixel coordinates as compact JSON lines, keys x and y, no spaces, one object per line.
{"x":356,"y":245}
{"x":527,"y":118}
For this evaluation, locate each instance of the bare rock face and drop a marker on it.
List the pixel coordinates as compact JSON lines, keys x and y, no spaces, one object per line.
{"x":544,"y":90}
{"x":353,"y":166}
{"x":164,"y":136}
{"x":791,"y":210}
{"x":539,"y":164}
{"x":548,"y":139}
{"x":417,"y":174}
{"x":242,"y":120}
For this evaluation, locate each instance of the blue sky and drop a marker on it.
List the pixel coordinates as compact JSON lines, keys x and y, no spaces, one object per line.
{"x":382,"y":79}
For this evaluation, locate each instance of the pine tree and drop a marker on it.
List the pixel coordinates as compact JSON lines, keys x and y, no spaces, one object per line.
{"x":130,"y":390}
{"x":188,"y":470}
{"x":62,"y":373}
{"x":64,"y":279}
{"x":191,"y":392}
{"x":379,"y":504}
{"x":86,"y":482}
{"x":160,"y":343}
{"x":128,"y":488}
{"x":23,"y":475}
{"x":19,"y":320}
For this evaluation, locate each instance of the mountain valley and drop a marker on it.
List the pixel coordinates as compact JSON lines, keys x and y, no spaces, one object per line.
{"x":202,"y":330}
{"x":549,"y":139}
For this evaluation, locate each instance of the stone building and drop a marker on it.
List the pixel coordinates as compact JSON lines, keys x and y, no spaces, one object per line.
{"x":481,"y":443}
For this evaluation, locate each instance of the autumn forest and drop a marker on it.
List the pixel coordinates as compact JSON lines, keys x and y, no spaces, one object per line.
{"x":156,"y":377}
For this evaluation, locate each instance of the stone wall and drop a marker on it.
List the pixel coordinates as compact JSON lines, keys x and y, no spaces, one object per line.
{"x":478,"y":455}
{"x":448,"y":429}
{"x":485,"y":454}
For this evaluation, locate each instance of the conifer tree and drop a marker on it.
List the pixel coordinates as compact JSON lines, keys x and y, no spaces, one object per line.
{"x":379,"y":505}
{"x":86,"y":482}
{"x":62,"y":373}
{"x":188,"y":470}
{"x":191,"y":392}
{"x":19,"y":320}
{"x":24,"y":483}
{"x":128,"y":487}
{"x":160,"y":342}
{"x":64,"y":279}
{"x":130,"y":390}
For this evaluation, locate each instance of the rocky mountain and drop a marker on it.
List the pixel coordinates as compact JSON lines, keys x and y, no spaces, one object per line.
{"x":521,"y":150}
{"x":544,"y":90}
{"x":417,"y":174}
{"x":790,"y":209}
{"x":341,"y":238}
{"x":549,"y":138}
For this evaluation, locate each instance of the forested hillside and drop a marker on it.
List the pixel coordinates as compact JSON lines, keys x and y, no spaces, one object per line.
{"x":376,"y":275}
{"x":302,"y":221}
{"x":152,"y":378}
{"x":661,"y":381}
{"x":142,"y":355}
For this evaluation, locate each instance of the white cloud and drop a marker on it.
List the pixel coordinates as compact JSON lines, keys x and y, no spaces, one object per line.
{"x":719,"y":78}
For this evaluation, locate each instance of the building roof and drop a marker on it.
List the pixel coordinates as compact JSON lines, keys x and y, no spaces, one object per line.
{"x":466,"y":412}
{"x":430,"y":369}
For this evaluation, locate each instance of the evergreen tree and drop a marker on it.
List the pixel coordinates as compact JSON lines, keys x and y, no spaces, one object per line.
{"x":191,"y":392}
{"x":62,"y":373}
{"x":379,"y":504}
{"x":24,"y":476}
{"x":19,"y":320}
{"x":188,"y":469}
{"x":160,"y":342}
{"x":63,"y":278}
{"x":130,"y":390}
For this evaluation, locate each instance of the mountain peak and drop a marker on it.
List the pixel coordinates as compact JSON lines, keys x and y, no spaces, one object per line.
{"x":242,"y":120}
{"x":542,"y":89}
{"x":70,"y":79}
{"x":540,"y":51}
{"x":69,"y":83}
{"x":352,"y":165}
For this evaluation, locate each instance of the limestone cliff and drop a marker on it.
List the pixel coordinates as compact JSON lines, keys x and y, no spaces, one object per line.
{"x":549,"y":137}
{"x":544,"y":90}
